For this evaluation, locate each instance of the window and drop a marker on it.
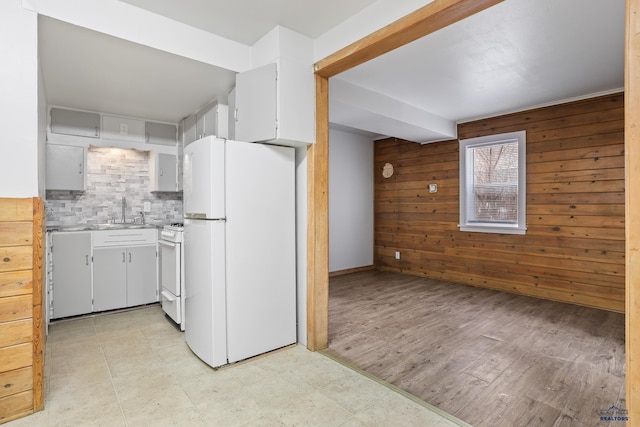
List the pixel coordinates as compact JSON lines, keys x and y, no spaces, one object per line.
{"x":492,"y":183}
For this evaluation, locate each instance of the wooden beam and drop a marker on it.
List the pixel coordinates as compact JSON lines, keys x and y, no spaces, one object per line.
{"x":318,"y":224}
{"x":426,"y":20}
{"x":632,"y":207}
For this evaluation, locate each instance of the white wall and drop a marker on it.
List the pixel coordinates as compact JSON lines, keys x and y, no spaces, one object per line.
{"x":350,"y":200}
{"x":301,"y":242}
{"x":42,"y":134}
{"x":19,"y":100}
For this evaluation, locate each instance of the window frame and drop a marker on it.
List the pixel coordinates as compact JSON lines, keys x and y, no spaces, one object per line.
{"x":466,"y":185}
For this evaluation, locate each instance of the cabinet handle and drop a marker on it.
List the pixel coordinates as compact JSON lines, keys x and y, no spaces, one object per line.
{"x":147,"y":137}
{"x":129,"y":257}
{"x":80,"y":168}
{"x":161,"y":172}
{"x":86,"y":260}
{"x":96,"y":128}
{"x":123,"y":259}
{"x":235,"y":114}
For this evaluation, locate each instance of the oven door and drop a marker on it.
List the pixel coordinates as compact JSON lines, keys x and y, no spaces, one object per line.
{"x":170,"y":266}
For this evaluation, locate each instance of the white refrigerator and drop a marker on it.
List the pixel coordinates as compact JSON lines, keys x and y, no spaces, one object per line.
{"x":239,"y":243}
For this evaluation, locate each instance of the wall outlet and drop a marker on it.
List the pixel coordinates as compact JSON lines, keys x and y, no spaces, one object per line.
{"x":397,"y":254}
{"x":146,"y":207}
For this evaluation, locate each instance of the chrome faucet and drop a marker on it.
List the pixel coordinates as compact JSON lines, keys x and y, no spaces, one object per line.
{"x":124,"y":205}
{"x":143,"y":220}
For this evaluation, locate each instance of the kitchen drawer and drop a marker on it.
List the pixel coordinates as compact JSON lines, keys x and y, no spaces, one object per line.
{"x":171,"y":305}
{"x":125,"y":237}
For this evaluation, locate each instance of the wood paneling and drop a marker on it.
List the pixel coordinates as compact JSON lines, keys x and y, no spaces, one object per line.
{"x":15,"y":283}
{"x":16,"y":381}
{"x":16,"y":356}
{"x":17,"y":332}
{"x":21,"y":308}
{"x":16,"y":406}
{"x":573,"y":250}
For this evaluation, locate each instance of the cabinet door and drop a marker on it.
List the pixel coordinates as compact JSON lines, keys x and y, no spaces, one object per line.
{"x":109,"y":278}
{"x":204,"y":117}
{"x":79,"y":123}
{"x":122,"y":129}
{"x":65,"y":168}
{"x":142,"y":275}
{"x":163,"y":171}
{"x":255,"y":111}
{"x":160,"y":133}
{"x":231,"y":117}
{"x":71,"y":256}
{"x":190,"y":129}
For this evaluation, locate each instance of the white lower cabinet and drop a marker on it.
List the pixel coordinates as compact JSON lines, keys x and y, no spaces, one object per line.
{"x":95,"y":271}
{"x":142,"y":278}
{"x":124,"y":277}
{"x":70,"y":292}
{"x":125,"y":268}
{"x":109,"y":278}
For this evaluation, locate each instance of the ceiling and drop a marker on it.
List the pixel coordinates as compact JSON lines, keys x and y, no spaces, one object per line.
{"x":517,"y":54}
{"x":246,"y":21}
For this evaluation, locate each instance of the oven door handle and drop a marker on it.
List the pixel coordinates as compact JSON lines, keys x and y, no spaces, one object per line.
{"x":166,"y":295}
{"x":167,"y":243}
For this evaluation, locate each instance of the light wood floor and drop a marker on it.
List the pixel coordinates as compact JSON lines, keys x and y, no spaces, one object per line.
{"x":486,"y":357}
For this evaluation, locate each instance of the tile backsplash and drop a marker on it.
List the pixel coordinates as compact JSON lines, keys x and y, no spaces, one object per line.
{"x":111,"y":174}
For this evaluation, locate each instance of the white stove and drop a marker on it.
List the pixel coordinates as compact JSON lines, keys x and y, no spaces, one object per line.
{"x":172,"y":233}
{"x":172,"y":272}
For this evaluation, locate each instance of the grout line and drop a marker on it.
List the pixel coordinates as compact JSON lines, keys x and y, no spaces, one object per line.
{"x":115,"y":390}
{"x":398,"y":390}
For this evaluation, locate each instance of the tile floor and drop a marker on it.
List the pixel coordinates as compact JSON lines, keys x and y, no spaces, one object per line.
{"x":134,"y":369}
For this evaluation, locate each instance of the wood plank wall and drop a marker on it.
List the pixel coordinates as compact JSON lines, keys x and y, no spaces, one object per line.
{"x":574,"y":247}
{"x":21,"y":327}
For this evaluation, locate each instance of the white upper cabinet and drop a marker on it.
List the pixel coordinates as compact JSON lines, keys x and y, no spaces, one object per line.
{"x":122,"y":129}
{"x":65,"y":168}
{"x":163,"y":171}
{"x":83,"y":128}
{"x":72,"y":122}
{"x":212,"y":120}
{"x":231,"y":101}
{"x":189,"y":130}
{"x":275,"y":103}
{"x":255,"y":112}
{"x":160,"y":133}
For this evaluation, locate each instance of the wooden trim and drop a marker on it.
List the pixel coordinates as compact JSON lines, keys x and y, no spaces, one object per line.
{"x":351,"y":270}
{"x":432,"y":17}
{"x":38,"y":306}
{"x":632,"y":206}
{"x":318,"y":225}
{"x":424,"y":21}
